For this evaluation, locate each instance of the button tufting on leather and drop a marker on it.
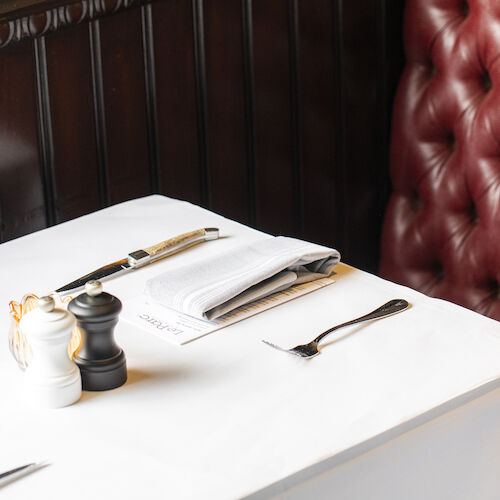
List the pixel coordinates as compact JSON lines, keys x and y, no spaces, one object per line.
{"x":465,"y":8}
{"x":415,"y":201}
{"x":452,"y":143}
{"x":442,"y":180}
{"x":474,"y":217}
{"x":438,"y":271}
{"x":486,"y":82}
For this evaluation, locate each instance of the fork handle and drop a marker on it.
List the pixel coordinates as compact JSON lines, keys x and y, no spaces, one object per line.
{"x":391,"y":307}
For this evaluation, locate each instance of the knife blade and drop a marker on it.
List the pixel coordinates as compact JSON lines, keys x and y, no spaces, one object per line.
{"x":140,"y":258}
{"x":18,"y":472}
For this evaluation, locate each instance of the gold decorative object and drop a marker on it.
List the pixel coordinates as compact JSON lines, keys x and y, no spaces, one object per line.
{"x":19,"y":346}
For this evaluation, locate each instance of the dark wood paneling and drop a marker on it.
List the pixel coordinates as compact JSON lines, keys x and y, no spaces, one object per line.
{"x":125,"y":105}
{"x":273,"y":112}
{"x":229,"y":180}
{"x":22,"y":207}
{"x":150,"y":89}
{"x":9,"y":7}
{"x":361,"y":168}
{"x":390,"y":62}
{"x":19,"y":6}
{"x":249,"y":82}
{"x":45,"y":129}
{"x":201,"y":100}
{"x":320,"y":125}
{"x":99,"y":111}
{"x":296,"y":116}
{"x":72,"y":120}
{"x":273,"y":127}
{"x":176,"y":97}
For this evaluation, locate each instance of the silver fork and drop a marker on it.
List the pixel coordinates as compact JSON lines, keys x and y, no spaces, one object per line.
{"x":311,"y":349}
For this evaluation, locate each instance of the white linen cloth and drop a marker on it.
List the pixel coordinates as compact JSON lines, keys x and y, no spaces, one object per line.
{"x":228,"y":417}
{"x":210,"y":288}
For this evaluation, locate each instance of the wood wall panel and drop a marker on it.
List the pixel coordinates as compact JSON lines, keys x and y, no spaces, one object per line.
{"x":273,"y":129}
{"x":227,"y":153}
{"x":319,"y":121}
{"x":273,"y":112}
{"x":125,"y":106}
{"x":22,"y":207}
{"x":363,"y":179}
{"x":73,"y":124}
{"x":178,"y":162}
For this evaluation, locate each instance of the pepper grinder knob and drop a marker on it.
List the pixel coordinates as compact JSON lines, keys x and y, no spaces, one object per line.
{"x":101,"y":361}
{"x":46,"y":304}
{"x":93,"y":288}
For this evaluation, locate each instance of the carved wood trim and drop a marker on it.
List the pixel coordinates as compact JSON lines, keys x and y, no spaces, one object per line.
{"x":35,"y":24}
{"x":10,"y":9}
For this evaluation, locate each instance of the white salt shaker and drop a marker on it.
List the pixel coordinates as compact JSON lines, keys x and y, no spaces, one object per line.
{"x":52,"y":379}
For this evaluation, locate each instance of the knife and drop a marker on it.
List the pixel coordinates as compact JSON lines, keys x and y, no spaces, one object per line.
{"x":141,"y":258}
{"x":13,"y":474}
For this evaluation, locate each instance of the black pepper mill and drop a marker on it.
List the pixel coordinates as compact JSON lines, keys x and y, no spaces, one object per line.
{"x":101,"y":361}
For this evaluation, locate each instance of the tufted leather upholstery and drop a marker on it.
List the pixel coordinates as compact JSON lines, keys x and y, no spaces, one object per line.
{"x":441,"y":230}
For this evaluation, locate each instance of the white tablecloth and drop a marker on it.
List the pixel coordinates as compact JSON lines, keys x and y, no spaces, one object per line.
{"x":226,"y":416}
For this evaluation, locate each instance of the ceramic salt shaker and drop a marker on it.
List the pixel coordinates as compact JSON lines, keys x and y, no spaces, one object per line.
{"x":52,"y":379}
{"x":101,"y":361}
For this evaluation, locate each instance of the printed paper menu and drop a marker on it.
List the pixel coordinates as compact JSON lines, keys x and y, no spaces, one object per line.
{"x":180,"y":328}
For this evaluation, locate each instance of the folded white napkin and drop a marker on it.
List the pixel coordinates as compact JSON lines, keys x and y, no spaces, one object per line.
{"x":213,"y":287}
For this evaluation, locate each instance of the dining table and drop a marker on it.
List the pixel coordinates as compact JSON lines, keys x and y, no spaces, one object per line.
{"x":405,"y":407}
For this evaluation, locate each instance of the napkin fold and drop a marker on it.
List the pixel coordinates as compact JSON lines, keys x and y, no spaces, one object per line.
{"x":210,"y":288}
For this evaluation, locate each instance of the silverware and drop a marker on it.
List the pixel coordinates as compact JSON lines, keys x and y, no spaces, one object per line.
{"x":13,"y":474}
{"x":140,"y":258}
{"x":311,"y":349}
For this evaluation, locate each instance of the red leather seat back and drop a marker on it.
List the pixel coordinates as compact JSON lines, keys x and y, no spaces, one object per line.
{"x":441,"y":231}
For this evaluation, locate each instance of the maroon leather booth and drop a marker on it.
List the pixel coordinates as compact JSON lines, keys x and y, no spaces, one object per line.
{"x":441,"y":231}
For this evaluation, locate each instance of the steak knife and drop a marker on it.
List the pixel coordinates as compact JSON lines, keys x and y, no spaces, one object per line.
{"x":141,"y":258}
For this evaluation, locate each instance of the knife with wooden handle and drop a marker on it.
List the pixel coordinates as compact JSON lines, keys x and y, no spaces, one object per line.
{"x":140,"y":258}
